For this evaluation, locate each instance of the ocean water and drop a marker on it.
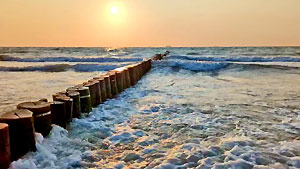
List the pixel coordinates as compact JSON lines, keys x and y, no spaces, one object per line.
{"x":198,"y":108}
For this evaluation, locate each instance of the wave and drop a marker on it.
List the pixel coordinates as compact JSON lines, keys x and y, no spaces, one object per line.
{"x":46,"y":68}
{"x":204,"y":66}
{"x":237,"y":59}
{"x":63,"y":68}
{"x":198,"y":65}
{"x":95,"y":67}
{"x":193,"y":66}
{"x":70,"y":59}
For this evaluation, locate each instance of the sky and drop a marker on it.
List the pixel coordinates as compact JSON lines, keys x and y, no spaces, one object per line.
{"x":149,"y":23}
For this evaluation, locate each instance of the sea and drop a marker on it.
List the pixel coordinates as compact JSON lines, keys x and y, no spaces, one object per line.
{"x":207,"y":107}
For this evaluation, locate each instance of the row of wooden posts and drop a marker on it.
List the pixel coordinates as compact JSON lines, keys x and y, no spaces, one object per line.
{"x":18,"y":127}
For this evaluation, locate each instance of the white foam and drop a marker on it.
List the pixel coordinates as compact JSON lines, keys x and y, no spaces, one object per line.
{"x":238,"y":59}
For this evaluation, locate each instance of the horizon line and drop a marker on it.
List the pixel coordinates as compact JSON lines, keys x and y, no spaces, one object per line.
{"x":147,"y":46}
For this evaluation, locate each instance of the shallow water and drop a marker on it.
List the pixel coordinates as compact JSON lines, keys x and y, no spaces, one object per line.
{"x":186,"y":114}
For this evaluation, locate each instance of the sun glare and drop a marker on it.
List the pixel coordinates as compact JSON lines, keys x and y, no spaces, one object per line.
{"x":114,"y":10}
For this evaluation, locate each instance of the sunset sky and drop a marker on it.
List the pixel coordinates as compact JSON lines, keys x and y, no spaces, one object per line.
{"x":126,"y":23}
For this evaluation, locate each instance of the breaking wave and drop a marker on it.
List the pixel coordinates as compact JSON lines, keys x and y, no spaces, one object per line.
{"x":204,"y":66}
{"x":237,"y":59}
{"x":198,"y":65}
{"x":63,"y":68}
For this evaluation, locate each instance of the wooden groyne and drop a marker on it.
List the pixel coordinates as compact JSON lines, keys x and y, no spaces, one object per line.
{"x":17,"y":127}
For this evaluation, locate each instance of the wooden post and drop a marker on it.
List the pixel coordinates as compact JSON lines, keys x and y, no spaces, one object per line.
{"x":76,"y":103}
{"x":133,"y":78}
{"x":68,"y":102}
{"x":123,"y":73}
{"x":113,"y":83}
{"x":42,"y":123}
{"x":102,"y":88}
{"x":4,"y":146}
{"x":137,"y":70}
{"x":38,"y":107}
{"x":149,"y":64}
{"x":41,"y":115}
{"x":127,"y":77}
{"x":85,"y":100}
{"x":119,"y":78}
{"x":123,"y":78}
{"x":93,"y":90}
{"x":140,"y":70}
{"x":98,"y":91}
{"x":107,"y":86}
{"x":72,"y":89}
{"x":143,"y":68}
{"x":58,"y":113}
{"x":21,"y":132}
{"x":146,"y":66}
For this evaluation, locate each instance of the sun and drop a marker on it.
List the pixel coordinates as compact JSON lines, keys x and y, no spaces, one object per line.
{"x":114,"y":10}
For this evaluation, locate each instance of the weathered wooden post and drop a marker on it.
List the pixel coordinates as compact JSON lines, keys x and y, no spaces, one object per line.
{"x":140,"y":67}
{"x":143,"y":67}
{"x":58,"y":113}
{"x":138,"y":71}
{"x":127,"y":77}
{"x":119,"y":79}
{"x":102,"y":88}
{"x":93,"y":90}
{"x":149,"y":64}
{"x":107,"y":86}
{"x":133,"y":78}
{"x":113,"y":83}
{"x":21,"y":132}
{"x":41,"y":115}
{"x":98,"y":91}
{"x":38,"y":107}
{"x":85,"y":100}
{"x":68,"y":102}
{"x":76,"y":103}
{"x":135,"y":67}
{"x":4,"y":146}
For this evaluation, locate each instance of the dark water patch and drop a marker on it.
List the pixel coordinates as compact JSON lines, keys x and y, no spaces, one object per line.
{"x":193,"y":53}
{"x":46,"y":68}
{"x":4,"y":57}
